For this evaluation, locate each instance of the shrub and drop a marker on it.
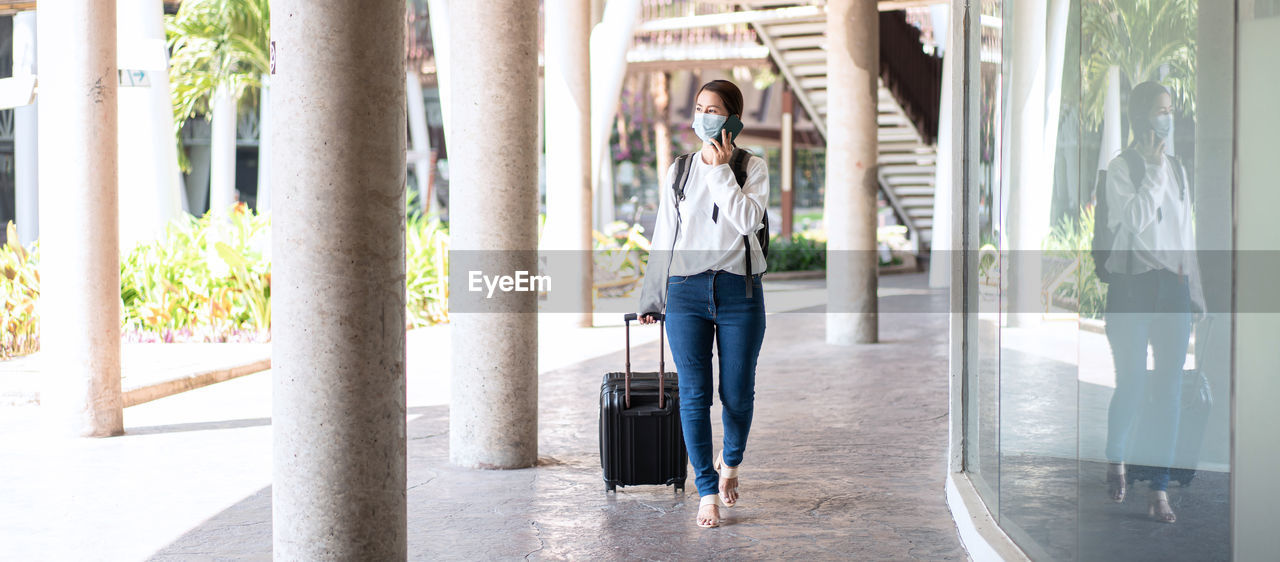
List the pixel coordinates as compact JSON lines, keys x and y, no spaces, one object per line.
{"x":20,"y":283}
{"x":205,"y":280}
{"x":1077,"y":284}
{"x":426,"y":271}
{"x":801,"y":252}
{"x":620,"y":255}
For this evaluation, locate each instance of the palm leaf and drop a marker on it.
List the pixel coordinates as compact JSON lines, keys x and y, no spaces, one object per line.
{"x":1139,"y":37}
{"x":215,"y":44}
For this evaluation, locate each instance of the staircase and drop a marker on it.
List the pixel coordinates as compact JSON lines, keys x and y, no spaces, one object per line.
{"x":906,"y":160}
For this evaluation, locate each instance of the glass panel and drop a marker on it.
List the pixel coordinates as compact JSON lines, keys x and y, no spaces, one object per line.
{"x":1144,"y":405}
{"x":1257,"y":327}
{"x":982,"y":433}
{"x":1039,"y":338}
{"x":1080,"y":376}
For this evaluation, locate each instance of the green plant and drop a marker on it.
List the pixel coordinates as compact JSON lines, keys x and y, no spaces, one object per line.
{"x":1077,"y":282}
{"x":1138,"y":37}
{"x":215,"y":44}
{"x":209,"y":280}
{"x":20,"y":283}
{"x":620,"y":255}
{"x":205,"y":280}
{"x":801,"y":252}
{"x":426,"y":271}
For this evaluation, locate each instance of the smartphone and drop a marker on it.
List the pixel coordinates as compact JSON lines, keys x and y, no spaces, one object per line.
{"x":733,"y":125}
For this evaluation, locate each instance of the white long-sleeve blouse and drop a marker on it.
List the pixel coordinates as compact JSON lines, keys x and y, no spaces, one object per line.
{"x":686,"y":241}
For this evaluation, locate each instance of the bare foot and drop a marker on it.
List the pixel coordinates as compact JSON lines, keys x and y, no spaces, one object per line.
{"x":1116,"y":483}
{"x":728,"y":481}
{"x":1158,"y":508}
{"x":709,"y":515}
{"x":729,"y":490}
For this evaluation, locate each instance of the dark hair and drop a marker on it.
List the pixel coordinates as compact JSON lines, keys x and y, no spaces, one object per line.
{"x":1141,"y":100}
{"x":728,"y":92}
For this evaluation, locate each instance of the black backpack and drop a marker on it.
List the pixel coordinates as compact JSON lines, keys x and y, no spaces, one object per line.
{"x":738,"y":163}
{"x":1103,"y":236}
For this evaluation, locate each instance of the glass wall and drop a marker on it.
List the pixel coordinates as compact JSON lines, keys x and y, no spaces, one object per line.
{"x":1100,"y":264}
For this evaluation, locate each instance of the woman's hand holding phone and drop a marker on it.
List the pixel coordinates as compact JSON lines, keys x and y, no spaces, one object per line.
{"x":1152,"y":147}
{"x":722,"y":148}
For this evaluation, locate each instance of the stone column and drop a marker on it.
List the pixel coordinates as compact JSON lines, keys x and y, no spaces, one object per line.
{"x":493,"y":414}
{"x":80,"y":259}
{"x":568,"y":105}
{"x":222,"y":147}
{"x":853,"y":63}
{"x":788,"y":160}
{"x":338,"y":169}
{"x":661,"y":90}
{"x":610,"y":40}
{"x":264,"y":146}
{"x":25,"y":162}
{"x":1031,"y":185}
{"x":945,"y":177}
{"x":421,"y":137}
{"x":150,"y":181}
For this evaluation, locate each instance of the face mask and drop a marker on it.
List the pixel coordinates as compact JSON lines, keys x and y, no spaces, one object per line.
{"x":706,"y":125}
{"x":1162,"y":124}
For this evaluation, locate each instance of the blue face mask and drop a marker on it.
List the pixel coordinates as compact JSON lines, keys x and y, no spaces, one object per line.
{"x":1162,"y":124}
{"x":706,"y":125}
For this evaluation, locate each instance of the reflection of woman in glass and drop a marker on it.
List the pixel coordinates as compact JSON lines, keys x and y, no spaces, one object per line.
{"x":1156,"y":288}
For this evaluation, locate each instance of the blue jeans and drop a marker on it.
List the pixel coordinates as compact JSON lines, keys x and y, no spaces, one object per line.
{"x":700,"y":307}
{"x":1150,"y":307}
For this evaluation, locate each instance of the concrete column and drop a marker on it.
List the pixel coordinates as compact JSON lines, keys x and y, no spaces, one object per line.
{"x":338,"y":412}
{"x":25,"y":161}
{"x":661,"y":89}
{"x":568,"y":105}
{"x":80,"y":260}
{"x":610,"y":40}
{"x":150,"y":182}
{"x":493,"y":415}
{"x":1031,"y":185}
{"x":264,"y":146}
{"x":222,"y":146}
{"x":945,"y":177}
{"x":853,"y":51}
{"x":421,"y":140}
{"x":438,"y":18}
{"x":1112,"y":134}
{"x":1057,"y":20}
{"x":788,"y":161}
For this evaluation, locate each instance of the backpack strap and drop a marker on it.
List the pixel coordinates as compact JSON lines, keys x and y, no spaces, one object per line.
{"x":739,"y":166}
{"x":1181,"y":173}
{"x":1137,"y":166}
{"x":1137,"y":170}
{"x":682,"y":176}
{"x":737,"y":163}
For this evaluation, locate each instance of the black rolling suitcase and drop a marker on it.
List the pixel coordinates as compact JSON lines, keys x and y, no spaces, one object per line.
{"x":640,"y":436}
{"x":1193,"y":417}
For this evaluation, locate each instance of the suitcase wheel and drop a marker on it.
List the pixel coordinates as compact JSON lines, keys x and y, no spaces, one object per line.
{"x":610,"y":487}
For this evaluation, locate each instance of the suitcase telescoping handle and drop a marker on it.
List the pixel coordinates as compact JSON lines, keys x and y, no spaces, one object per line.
{"x":662,"y":357}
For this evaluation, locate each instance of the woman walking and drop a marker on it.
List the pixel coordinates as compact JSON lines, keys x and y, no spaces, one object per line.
{"x":1154,"y":292}
{"x":703,"y":243}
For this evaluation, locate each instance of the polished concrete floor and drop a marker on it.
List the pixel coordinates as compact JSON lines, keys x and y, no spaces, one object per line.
{"x":846,"y":460}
